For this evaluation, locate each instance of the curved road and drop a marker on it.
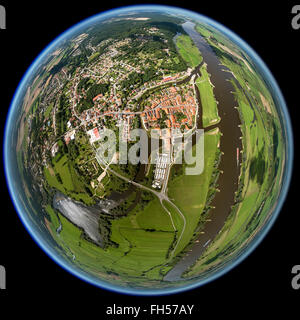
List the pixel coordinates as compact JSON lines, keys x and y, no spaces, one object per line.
{"x":161,"y":196}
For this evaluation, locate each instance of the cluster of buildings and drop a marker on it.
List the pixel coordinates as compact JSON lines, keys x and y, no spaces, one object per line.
{"x":170,"y":78}
{"x":137,"y":92}
{"x":171,"y":102}
{"x":166,"y":104}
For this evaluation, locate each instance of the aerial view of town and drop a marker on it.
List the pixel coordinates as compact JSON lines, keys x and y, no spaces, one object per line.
{"x":149,"y":224}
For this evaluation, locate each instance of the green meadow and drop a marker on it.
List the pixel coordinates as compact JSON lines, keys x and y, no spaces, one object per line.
{"x":62,"y":176}
{"x":143,"y":239}
{"x":209,"y":104}
{"x":196,"y":189}
{"x":188,"y":51}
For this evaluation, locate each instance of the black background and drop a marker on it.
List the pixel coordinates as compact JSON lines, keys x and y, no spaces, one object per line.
{"x":262,"y":282}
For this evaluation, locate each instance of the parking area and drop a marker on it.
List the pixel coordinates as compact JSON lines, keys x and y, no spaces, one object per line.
{"x":162,"y":162}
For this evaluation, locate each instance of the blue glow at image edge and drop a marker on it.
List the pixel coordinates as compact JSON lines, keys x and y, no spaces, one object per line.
{"x":42,"y":243}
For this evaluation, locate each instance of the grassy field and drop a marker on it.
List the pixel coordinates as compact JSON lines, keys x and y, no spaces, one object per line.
{"x":188,"y":51}
{"x":196,"y":189}
{"x":209,"y":104}
{"x":146,"y":250}
{"x":154,"y":217}
{"x":143,"y":238}
{"x":72,"y":243}
{"x":62,"y":176}
{"x":138,"y":230}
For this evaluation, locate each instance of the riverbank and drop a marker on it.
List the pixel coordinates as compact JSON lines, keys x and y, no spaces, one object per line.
{"x":229,"y":142}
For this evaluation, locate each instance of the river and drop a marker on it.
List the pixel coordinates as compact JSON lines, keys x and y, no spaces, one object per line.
{"x":229,"y":142}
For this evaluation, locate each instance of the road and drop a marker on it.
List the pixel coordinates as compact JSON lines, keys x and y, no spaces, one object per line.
{"x":162,"y":196}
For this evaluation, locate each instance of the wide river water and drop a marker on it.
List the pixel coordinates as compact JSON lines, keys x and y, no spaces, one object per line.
{"x":230,"y":141}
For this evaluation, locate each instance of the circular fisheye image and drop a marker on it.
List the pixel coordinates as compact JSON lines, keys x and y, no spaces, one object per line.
{"x":148,"y":150}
